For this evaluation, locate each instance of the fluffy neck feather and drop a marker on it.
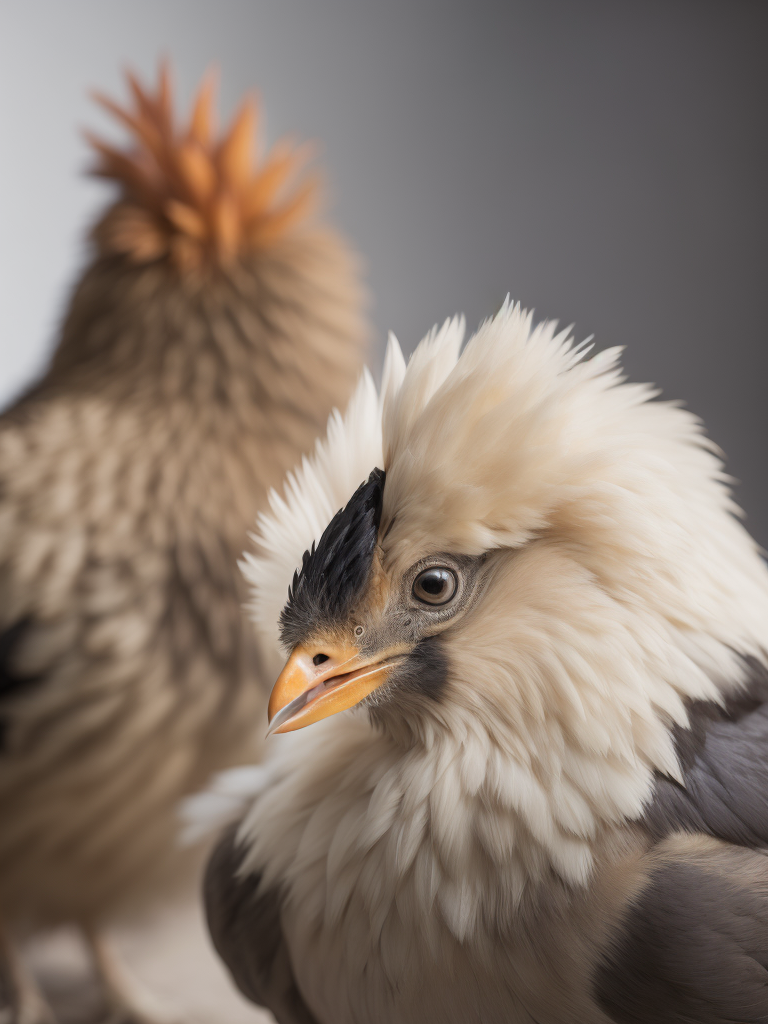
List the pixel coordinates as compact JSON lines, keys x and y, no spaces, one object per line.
{"x":435,"y":833}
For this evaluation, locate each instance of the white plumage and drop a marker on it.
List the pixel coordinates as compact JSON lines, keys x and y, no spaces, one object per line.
{"x":466,"y":858}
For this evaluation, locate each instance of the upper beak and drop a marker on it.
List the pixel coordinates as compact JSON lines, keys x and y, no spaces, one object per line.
{"x":319,"y":681}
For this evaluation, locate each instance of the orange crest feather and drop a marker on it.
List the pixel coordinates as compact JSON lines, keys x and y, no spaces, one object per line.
{"x":190,"y":197}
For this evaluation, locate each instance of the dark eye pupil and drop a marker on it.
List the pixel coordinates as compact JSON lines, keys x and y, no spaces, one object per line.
{"x":433,"y":585}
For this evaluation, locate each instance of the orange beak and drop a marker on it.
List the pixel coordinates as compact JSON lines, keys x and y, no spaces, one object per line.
{"x":320,"y":681}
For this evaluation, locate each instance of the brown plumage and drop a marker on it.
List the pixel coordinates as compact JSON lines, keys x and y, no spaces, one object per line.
{"x":211,"y":334}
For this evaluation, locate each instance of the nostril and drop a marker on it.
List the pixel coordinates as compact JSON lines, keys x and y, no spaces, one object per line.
{"x":319,"y":659}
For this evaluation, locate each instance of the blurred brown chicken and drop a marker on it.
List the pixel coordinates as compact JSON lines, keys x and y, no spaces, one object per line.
{"x":209,"y":337}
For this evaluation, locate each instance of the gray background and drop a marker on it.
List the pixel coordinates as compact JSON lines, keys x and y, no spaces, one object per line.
{"x":606,"y":163}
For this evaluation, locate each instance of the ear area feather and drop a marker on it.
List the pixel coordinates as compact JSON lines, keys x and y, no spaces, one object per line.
{"x":394,"y":370}
{"x":391,"y":383}
{"x":429,"y":366}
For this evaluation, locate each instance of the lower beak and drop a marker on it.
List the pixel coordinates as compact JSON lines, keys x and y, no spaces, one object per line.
{"x":318,"y":682}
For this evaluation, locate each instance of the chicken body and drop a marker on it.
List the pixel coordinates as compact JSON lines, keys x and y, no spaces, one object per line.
{"x":549,"y":805}
{"x":129,"y":477}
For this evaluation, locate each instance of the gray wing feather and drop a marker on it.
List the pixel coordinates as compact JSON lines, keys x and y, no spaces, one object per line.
{"x":724,"y":756}
{"x":693,"y":949}
{"x":244,"y":921}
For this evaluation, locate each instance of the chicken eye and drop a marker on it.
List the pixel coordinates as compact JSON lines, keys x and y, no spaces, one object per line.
{"x":435,"y":586}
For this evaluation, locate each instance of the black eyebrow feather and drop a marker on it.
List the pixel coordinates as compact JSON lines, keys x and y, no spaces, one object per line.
{"x":334,"y":574}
